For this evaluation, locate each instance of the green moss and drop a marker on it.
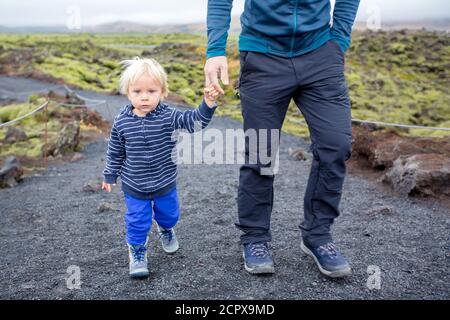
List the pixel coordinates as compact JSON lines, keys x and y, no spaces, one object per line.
{"x":295,"y":128}
{"x":33,"y":126}
{"x":31,"y":148}
{"x":188,"y":94}
{"x":397,"y":48}
{"x":8,"y":113}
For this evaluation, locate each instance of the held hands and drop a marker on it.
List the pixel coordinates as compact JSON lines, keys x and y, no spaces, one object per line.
{"x":107,"y":187}
{"x":216,"y":67}
{"x":211,"y":95}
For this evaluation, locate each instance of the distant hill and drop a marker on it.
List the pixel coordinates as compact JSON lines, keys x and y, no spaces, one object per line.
{"x":200,"y":27}
{"x":33,"y":29}
{"x":435,"y":25}
{"x":124,"y":26}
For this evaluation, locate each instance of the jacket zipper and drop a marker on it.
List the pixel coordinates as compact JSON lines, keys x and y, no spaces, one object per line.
{"x":142,"y":125}
{"x":145,"y":138}
{"x":295,"y":28}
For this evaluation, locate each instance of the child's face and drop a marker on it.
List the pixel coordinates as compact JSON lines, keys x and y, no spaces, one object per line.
{"x":145,"y":94}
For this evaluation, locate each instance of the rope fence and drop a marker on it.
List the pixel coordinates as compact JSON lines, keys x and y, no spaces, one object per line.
{"x":100,"y":102}
{"x":409,"y":126}
{"x":44,"y":106}
{"x":96,"y":102}
{"x":25,"y":115}
{"x":80,"y":96}
{"x":32,"y":91}
{"x":383,"y":124}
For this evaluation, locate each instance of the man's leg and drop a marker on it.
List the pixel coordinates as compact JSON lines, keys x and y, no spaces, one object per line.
{"x":266,"y":86}
{"x":323,"y":99}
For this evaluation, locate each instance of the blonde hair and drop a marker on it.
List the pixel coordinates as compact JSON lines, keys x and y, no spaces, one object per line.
{"x":135,"y":68}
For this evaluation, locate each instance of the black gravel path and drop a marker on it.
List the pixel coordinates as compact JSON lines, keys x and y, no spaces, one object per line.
{"x":48,"y":224}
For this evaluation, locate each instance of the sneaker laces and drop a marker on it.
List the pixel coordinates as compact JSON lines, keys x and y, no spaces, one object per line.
{"x":138,"y":252}
{"x":166,"y":234}
{"x":259,"y":250}
{"x":329,"y":249}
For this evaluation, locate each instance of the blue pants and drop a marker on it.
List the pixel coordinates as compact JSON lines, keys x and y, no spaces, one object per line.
{"x":316,"y":82}
{"x":138,"y":218}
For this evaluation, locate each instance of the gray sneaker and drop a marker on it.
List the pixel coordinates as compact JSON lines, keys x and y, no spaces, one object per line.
{"x":168,"y":239}
{"x":138,"y":260}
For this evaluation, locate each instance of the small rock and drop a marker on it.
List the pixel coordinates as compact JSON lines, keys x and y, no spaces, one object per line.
{"x":298,"y":154}
{"x":15,"y":134}
{"x":220,"y":221}
{"x":27,"y":286}
{"x":426,"y":174}
{"x":106,"y":207}
{"x":67,"y":140}
{"x":11,"y":173}
{"x":381,"y":210}
{"x":92,"y":186}
{"x":77,"y":157}
{"x":407,"y":271}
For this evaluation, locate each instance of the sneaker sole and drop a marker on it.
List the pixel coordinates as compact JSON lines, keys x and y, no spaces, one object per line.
{"x":140,"y":273}
{"x":259,"y":270}
{"x":170,"y":251}
{"x":332,"y":274}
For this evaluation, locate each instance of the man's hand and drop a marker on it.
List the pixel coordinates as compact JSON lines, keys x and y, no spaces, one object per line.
{"x":106,"y":187}
{"x":216,"y":67}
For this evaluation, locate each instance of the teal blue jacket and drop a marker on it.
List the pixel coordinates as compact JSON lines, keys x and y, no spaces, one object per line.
{"x":286,"y":28}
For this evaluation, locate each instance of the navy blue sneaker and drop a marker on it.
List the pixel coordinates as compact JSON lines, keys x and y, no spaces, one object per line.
{"x":257,"y":258}
{"x":329,"y":260}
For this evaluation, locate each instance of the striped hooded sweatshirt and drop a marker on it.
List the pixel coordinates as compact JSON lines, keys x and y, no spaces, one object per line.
{"x":140,"y":148}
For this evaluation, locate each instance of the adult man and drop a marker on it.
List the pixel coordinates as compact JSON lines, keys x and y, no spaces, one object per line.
{"x":288,"y":49}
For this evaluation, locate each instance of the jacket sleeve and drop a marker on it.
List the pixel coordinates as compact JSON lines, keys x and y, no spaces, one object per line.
{"x":115,"y":156}
{"x":193,"y":120}
{"x":343,"y":18}
{"x":218,"y":22}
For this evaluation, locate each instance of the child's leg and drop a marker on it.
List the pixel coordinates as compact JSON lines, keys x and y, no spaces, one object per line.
{"x":138,"y":219}
{"x":166,"y":209}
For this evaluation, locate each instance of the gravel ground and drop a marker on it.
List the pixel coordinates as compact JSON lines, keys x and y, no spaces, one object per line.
{"x":48,"y":224}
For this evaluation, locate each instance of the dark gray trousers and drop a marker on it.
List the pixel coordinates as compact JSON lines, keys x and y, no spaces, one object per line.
{"x":316,"y":82}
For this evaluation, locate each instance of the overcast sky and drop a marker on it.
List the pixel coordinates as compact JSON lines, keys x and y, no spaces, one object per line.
{"x":92,"y":12}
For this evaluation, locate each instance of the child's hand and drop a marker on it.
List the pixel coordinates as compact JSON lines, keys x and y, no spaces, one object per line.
{"x":211,"y":95}
{"x":106,"y":186}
